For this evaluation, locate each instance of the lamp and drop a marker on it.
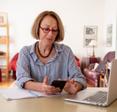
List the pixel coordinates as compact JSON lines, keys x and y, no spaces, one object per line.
{"x":93,"y":44}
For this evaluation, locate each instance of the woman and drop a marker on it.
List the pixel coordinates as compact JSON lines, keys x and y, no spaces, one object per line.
{"x":39,"y":64}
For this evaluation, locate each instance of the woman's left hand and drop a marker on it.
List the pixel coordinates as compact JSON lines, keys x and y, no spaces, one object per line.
{"x":72,"y":87}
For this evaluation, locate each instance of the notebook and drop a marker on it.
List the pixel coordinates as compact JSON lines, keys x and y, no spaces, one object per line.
{"x":98,"y":96}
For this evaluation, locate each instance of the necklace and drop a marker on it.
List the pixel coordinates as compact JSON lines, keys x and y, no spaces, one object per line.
{"x":42,"y":54}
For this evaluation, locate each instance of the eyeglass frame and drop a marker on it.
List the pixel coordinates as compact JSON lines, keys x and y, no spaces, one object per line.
{"x":47,"y":30}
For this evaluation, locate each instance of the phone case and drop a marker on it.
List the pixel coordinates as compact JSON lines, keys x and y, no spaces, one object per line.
{"x":59,"y":83}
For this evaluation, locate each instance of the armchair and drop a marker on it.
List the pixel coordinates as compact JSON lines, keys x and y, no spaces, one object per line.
{"x":12,"y":65}
{"x":93,"y":71}
{"x":0,"y":76}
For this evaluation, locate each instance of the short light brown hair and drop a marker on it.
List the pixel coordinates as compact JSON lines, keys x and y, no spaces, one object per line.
{"x":37,"y":22}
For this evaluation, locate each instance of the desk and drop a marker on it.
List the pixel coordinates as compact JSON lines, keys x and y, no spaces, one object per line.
{"x":53,"y":104}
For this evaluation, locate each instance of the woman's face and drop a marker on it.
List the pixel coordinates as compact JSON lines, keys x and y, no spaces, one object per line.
{"x":48,"y":30}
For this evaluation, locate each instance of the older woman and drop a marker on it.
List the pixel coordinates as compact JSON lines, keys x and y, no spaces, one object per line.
{"x":47,"y":60}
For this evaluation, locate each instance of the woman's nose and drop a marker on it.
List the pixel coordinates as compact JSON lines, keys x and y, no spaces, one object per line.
{"x":50,"y":32}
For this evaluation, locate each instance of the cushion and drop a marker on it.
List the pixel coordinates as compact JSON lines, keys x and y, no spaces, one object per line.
{"x":12,"y":64}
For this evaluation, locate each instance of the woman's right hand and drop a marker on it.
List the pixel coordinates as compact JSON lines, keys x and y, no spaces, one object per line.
{"x":48,"y":89}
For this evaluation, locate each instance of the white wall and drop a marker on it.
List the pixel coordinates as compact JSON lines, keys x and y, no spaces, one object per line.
{"x":74,"y":13}
{"x":110,"y":15}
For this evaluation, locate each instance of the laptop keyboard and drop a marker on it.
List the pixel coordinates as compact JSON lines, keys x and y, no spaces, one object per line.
{"x":99,"y":97}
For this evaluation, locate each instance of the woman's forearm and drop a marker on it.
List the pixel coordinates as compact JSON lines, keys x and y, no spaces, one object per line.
{"x":36,"y":86}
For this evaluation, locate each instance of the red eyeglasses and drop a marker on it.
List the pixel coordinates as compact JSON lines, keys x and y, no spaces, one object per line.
{"x":47,"y":30}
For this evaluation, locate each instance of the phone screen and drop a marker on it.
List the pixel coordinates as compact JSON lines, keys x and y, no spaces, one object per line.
{"x":59,"y":83}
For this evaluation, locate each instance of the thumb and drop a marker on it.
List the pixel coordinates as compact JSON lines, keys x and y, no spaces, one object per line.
{"x":45,"y":80}
{"x":72,"y":80}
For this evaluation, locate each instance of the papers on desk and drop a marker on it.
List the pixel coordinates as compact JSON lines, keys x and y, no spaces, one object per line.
{"x":18,"y":93}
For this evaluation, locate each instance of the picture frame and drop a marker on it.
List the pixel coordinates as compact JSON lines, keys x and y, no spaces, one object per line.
{"x":109,"y":35}
{"x":3,"y":18}
{"x":90,"y":33}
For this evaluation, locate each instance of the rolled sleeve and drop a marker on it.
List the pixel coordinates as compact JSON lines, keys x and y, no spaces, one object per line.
{"x":75,"y":72}
{"x":23,"y":65}
{"x":20,"y":83}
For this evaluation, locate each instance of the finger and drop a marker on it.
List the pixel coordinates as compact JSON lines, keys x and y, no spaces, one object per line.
{"x":70,"y":88}
{"x":71,"y":81}
{"x":52,"y":90}
{"x":72,"y":91}
{"x":58,"y":90}
{"x":55,"y":90}
{"x":45,"y":80}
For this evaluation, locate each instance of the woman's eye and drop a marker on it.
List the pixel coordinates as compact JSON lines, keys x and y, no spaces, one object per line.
{"x":54,"y":30}
{"x":47,"y":29}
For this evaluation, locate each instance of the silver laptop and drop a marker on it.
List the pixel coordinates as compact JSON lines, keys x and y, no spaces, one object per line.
{"x":98,"y":96}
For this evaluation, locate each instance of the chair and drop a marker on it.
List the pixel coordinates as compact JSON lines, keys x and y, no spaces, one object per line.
{"x":0,"y":76}
{"x":94,"y":71}
{"x":12,"y":65}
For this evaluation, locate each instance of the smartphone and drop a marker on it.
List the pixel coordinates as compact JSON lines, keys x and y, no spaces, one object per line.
{"x":59,"y":84}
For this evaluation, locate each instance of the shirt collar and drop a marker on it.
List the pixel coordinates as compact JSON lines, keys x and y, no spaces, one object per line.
{"x":32,"y":52}
{"x":58,"y":48}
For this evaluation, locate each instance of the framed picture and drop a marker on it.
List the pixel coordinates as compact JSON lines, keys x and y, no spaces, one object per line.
{"x":109,"y":35}
{"x":90,"y":33}
{"x":3,"y":18}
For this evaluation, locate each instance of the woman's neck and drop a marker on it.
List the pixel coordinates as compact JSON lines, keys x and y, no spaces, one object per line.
{"x":44,"y":50}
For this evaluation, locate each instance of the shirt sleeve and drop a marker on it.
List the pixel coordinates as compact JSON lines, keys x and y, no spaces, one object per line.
{"x":74,"y":71}
{"x":23,"y":65}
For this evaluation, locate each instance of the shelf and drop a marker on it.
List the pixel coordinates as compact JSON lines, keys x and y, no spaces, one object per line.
{"x":4,"y":44}
{"x":3,"y":25}
{"x":3,"y":39}
{"x":3,"y":56}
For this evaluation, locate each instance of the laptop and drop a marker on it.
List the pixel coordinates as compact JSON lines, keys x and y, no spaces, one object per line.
{"x":101,"y":96}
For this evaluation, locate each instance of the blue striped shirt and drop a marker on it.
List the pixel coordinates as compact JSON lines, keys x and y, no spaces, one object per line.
{"x":61,"y":66}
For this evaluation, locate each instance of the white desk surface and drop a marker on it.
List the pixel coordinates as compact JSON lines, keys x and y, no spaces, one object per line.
{"x":53,"y":104}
